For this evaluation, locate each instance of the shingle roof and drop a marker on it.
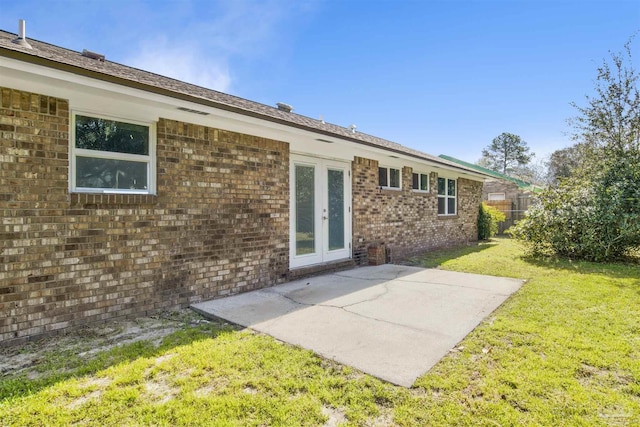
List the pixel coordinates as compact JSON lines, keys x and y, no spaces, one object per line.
{"x":57,"y":57}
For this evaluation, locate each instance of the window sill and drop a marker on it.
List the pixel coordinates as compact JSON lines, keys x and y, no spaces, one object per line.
{"x":421,"y":191}
{"x":100,"y":199}
{"x":447,"y":216}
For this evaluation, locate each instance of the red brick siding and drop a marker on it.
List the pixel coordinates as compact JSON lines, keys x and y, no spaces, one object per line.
{"x":404,"y":220}
{"x":219,"y":223}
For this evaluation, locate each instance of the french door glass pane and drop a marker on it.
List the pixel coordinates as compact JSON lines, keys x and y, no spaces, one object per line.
{"x":305,"y":210}
{"x":335,"y":188}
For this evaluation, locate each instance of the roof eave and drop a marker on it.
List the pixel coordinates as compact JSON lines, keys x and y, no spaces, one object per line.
{"x":45,"y":62}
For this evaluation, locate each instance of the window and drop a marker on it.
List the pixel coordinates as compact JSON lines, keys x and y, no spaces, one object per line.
{"x":110,"y":156}
{"x":497,"y":196}
{"x":389,"y":177}
{"x":446,"y":196}
{"x":420,"y":182}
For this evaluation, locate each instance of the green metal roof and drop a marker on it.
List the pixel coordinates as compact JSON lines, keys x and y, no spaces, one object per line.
{"x":521,"y":184}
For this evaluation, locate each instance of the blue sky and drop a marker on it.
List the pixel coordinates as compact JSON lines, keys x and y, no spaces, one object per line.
{"x":444,"y":77}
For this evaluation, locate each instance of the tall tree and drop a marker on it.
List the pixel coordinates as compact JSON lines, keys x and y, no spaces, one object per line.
{"x":534,"y":173}
{"x":611,"y":119}
{"x":506,"y":152}
{"x":565,"y":162}
{"x":594,"y":214}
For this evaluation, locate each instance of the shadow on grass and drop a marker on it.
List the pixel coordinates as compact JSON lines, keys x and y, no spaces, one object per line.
{"x":623,"y":269}
{"x":627,"y":268}
{"x":63,"y":364}
{"x":438,"y":257}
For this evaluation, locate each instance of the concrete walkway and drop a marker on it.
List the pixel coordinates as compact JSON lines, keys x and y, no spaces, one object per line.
{"x":391,"y":321}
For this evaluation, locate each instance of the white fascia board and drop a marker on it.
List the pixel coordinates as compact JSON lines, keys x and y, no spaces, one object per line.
{"x":457,"y":173}
{"x":442,"y":170}
{"x":101,"y":97}
{"x":398,"y":160}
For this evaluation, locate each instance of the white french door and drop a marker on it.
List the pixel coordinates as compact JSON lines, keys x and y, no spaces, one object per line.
{"x":320,"y":211}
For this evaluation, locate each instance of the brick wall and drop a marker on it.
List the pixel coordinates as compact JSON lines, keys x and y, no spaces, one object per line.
{"x":219,"y":223}
{"x":404,"y":220}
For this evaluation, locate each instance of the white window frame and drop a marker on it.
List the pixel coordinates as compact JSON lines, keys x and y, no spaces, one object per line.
{"x":492,"y":196}
{"x":447,"y":197}
{"x":420,"y":176}
{"x":149,"y":159}
{"x":388,"y":168}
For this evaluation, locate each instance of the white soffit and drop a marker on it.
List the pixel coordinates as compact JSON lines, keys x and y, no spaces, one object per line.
{"x":102,"y":97}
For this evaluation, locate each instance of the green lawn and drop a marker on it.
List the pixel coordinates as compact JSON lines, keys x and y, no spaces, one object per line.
{"x":563,"y":350}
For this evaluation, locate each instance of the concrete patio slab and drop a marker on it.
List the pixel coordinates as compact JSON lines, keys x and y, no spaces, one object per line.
{"x":391,"y":321}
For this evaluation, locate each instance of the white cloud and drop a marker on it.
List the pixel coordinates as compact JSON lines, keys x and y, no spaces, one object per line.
{"x":244,"y":28}
{"x":213,"y":37}
{"x":182,"y":62}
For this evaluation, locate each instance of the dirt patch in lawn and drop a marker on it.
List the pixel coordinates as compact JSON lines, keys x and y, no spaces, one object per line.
{"x":88,"y":341}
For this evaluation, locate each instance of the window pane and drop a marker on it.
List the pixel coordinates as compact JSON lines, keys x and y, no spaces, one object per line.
{"x":394,"y":178}
{"x":451,"y":187}
{"x":382,"y":177}
{"x":335,"y":187}
{"x":441,"y":186}
{"x":451,"y":206}
{"x":441,"y":206}
{"x":108,"y":135}
{"x":424,"y":182}
{"x":109,"y":173}
{"x":305,"y":210}
{"x":416,"y":184}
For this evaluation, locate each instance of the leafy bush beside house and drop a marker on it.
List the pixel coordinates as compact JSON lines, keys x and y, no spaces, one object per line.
{"x":594,"y":213}
{"x":488,"y":219}
{"x":596,"y":219}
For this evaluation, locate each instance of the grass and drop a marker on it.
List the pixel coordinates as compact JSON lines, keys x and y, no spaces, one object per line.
{"x":68,"y":362}
{"x":564,"y":350}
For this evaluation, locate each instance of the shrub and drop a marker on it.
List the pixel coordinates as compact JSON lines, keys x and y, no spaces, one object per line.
{"x":595,"y":218}
{"x":488,"y":219}
{"x":595,"y":213}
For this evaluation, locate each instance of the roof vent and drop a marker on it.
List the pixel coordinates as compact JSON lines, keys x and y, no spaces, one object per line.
{"x":22,"y":34}
{"x":284,"y":107}
{"x":190,"y":110}
{"x":93,"y":55}
{"x":353,"y":128}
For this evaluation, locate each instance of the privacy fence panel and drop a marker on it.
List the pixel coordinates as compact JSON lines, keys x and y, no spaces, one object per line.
{"x":513,"y":209}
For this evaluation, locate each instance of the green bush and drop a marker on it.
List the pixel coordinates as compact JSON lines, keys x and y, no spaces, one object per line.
{"x":596,"y":218}
{"x":488,"y":219}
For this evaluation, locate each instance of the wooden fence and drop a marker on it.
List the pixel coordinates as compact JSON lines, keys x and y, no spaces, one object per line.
{"x":513,"y":209}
